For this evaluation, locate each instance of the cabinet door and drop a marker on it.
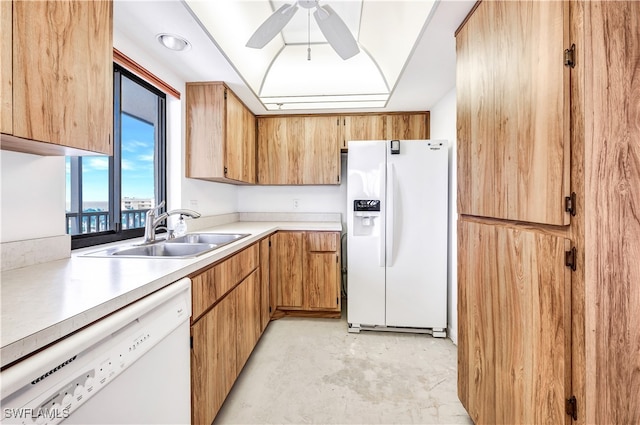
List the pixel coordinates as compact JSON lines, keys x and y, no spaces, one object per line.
{"x":362,"y":127}
{"x":240,"y":141}
{"x":63,"y":74}
{"x":278,"y":155}
{"x":205,"y":134}
{"x":6,"y":70}
{"x":265,"y":290}
{"x":407,"y":126}
{"x":248,"y":318}
{"x":513,"y":112}
{"x":286,"y":268}
{"x":213,"y":360}
{"x":320,"y":153}
{"x":322,"y":271}
{"x":514,"y":324}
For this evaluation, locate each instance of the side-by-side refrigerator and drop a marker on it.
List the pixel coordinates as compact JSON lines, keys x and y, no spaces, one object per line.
{"x":397,"y":194}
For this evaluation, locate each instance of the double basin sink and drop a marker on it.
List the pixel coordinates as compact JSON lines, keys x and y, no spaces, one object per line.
{"x":187,"y":246}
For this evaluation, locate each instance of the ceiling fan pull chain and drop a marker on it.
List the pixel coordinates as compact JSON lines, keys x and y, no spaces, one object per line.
{"x":308,"y":34}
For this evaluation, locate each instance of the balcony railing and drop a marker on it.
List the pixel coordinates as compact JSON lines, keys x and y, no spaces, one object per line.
{"x":98,"y":221}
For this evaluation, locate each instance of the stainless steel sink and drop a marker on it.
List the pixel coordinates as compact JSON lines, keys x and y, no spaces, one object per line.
{"x":218,"y":239}
{"x":186,"y":246}
{"x":181,"y":250}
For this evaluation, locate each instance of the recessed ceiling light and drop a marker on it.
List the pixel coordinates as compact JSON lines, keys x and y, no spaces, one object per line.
{"x":173,"y":42}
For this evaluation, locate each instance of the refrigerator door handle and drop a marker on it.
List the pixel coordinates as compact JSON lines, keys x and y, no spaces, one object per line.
{"x":390,"y":211}
{"x":381,"y":245}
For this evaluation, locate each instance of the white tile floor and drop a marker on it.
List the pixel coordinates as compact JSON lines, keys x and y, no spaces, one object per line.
{"x":314,"y":371}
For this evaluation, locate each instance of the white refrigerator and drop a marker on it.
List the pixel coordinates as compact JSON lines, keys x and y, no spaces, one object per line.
{"x":397,"y":195}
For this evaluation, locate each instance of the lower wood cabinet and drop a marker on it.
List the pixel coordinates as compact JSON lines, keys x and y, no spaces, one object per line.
{"x":305,"y":267}
{"x":226,"y":325}
{"x":514,"y":328}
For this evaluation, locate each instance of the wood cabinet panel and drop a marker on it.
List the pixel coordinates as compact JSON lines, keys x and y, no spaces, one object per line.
{"x":286,"y":268}
{"x":298,"y":150}
{"x":62,"y":77}
{"x":514,"y":148}
{"x":362,"y":127}
{"x":212,"y":284}
{"x":240,"y":149}
{"x":213,"y":360}
{"x":249,"y":326}
{"x":265,"y":290}
{"x":322,"y":271}
{"x":516,"y":329}
{"x":612,"y":201}
{"x":410,"y":126}
{"x":220,"y":135}
{"x":6,"y":64}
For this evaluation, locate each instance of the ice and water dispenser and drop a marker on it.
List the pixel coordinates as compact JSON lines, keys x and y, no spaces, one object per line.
{"x":366,"y":216}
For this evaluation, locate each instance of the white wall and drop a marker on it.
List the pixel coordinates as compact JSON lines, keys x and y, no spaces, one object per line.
{"x":443,"y":126}
{"x":319,"y":199}
{"x":33,"y":196}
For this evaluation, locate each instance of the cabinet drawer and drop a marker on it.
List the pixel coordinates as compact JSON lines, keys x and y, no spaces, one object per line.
{"x":209,"y":286}
{"x":322,"y":241}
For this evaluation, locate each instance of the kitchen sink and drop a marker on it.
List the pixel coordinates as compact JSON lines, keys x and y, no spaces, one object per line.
{"x":156,"y":250}
{"x":217,"y":239}
{"x":187,"y":246}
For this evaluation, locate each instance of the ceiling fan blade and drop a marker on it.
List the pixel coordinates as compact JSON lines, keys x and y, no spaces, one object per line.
{"x":336,"y":32}
{"x":272,"y":26}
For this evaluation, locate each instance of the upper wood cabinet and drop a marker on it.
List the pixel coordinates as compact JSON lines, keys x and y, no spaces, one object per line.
{"x":57,"y":77}
{"x":362,"y":127}
{"x":298,"y":150}
{"x":407,"y":126}
{"x":513,"y":112}
{"x":220,"y":135}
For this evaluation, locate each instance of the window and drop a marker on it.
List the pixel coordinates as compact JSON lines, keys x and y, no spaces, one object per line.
{"x":108,"y":197}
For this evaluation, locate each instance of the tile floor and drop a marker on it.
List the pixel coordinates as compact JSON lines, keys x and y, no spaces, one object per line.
{"x":314,"y":371}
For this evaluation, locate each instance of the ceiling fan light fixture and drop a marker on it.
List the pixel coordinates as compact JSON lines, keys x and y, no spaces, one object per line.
{"x":272,"y":26}
{"x":331,"y":25}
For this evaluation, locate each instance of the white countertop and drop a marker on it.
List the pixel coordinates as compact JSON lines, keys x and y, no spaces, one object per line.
{"x":43,"y":303}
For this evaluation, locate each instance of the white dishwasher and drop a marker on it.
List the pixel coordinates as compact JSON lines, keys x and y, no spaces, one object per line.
{"x":131,"y":367}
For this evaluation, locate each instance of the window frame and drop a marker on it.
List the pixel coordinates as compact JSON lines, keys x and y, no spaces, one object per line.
{"x":116,"y":233}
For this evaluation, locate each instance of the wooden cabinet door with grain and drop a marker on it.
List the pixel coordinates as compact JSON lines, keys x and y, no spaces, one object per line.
{"x":286,"y":268}
{"x":320,"y":153}
{"x":513,"y":112}
{"x":278,"y":153}
{"x":63,"y":73}
{"x":514,"y":333}
{"x":6,"y":67}
{"x":322,"y":271}
{"x":213,"y":359}
{"x":248,"y":325}
{"x":407,"y":126}
{"x":240,"y":143}
{"x":362,"y":127}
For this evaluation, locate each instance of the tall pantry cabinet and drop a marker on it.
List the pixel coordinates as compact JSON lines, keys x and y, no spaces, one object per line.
{"x":548,"y":195}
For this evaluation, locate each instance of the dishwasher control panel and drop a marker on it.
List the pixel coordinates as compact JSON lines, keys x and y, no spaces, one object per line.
{"x":54,"y":395}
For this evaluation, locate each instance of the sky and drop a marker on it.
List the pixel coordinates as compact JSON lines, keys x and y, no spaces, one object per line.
{"x":137,"y":165}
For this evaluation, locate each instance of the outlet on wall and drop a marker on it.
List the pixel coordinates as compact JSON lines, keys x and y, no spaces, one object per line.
{"x":296,"y":204}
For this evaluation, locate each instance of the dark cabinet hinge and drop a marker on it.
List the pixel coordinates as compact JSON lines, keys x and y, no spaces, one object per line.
{"x":191,"y":342}
{"x":569,"y":56}
{"x":570,"y":258}
{"x":225,"y":171}
{"x":570,"y":203}
{"x":337,"y":301}
{"x":269,"y":309}
{"x":225,"y":94}
{"x":571,"y":407}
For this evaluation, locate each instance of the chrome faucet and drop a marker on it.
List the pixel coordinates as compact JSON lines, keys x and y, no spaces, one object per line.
{"x":152,"y":221}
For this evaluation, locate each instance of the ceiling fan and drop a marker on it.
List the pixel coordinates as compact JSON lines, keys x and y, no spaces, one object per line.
{"x":332,"y":26}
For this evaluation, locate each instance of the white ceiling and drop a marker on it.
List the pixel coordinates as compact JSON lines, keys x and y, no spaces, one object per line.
{"x":429,"y":74}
